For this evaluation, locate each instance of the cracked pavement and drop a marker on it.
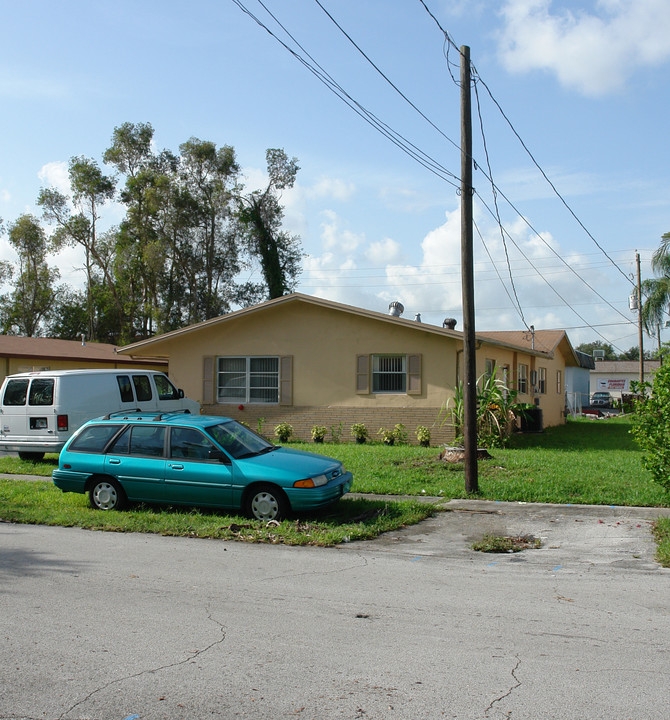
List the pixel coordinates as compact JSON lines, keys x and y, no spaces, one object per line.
{"x":106,"y":626}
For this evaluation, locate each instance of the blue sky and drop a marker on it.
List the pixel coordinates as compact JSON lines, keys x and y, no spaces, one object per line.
{"x":584,"y":84}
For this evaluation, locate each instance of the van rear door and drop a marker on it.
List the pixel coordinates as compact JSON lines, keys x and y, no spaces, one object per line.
{"x":27,"y":410}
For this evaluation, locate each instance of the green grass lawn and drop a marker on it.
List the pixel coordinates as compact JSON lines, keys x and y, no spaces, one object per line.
{"x":582,"y":462}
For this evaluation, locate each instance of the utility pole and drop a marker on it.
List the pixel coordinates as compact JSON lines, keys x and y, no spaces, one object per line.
{"x":468,"y":284}
{"x":639,"y":316}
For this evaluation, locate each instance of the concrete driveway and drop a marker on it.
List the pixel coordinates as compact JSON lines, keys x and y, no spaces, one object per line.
{"x":107,"y":626}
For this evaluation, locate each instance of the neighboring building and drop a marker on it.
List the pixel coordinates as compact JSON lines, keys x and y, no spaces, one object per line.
{"x":308,"y":361}
{"x":577,"y":379}
{"x":25,"y":354}
{"x":617,"y":375}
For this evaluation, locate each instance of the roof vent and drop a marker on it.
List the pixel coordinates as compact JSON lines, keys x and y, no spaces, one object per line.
{"x":417,"y":317}
{"x":396,"y":308}
{"x":449,"y":323}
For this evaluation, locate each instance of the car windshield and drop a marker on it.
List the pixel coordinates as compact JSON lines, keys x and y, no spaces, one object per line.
{"x":238,"y":441}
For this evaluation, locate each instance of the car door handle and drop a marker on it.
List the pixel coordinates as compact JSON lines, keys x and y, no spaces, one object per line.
{"x":114,"y":461}
{"x":176,"y":467}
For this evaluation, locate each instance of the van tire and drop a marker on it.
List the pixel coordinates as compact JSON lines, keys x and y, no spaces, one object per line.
{"x":32,"y":456}
{"x":106,"y":494}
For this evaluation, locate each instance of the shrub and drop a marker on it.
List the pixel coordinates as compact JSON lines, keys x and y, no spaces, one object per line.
{"x":284,"y":432}
{"x":336,"y":432}
{"x":423,"y":436}
{"x":651,"y":425}
{"x":318,"y":433}
{"x":360,"y":432}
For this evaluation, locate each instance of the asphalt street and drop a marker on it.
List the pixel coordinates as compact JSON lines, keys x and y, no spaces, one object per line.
{"x":110,"y":626}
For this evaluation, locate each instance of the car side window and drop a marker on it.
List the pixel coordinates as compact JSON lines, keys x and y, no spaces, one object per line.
{"x":189,"y":444}
{"x":147,"y":440}
{"x":125,"y":388}
{"x":15,"y":393}
{"x":121,"y":445}
{"x":94,"y":438}
{"x":142,"y":387}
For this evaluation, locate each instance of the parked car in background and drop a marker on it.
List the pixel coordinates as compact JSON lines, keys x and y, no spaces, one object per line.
{"x":202,"y":460}
{"x":601,"y":399}
{"x":39,"y":411}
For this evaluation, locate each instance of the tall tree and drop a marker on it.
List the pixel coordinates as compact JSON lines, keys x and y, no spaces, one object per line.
{"x":207,"y":253}
{"x":260,"y":216}
{"x":90,"y":190}
{"x":34,"y":294}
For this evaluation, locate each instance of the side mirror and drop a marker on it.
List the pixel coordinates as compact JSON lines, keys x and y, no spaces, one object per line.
{"x":180,"y":393}
{"x":216,"y":454}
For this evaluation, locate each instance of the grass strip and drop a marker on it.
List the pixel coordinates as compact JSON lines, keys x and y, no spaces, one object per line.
{"x":41,"y":503}
{"x":661,"y":531}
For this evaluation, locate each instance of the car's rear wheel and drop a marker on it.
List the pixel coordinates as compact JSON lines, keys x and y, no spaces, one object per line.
{"x":267,"y":502}
{"x":106,"y":494}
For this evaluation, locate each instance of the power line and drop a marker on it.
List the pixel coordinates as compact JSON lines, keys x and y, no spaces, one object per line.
{"x":326,"y":79}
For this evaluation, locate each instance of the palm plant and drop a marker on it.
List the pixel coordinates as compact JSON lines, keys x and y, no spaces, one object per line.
{"x":497,"y":409}
{"x":657,"y":290}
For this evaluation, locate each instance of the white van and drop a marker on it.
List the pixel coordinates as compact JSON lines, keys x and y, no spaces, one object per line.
{"x":40,"y":410}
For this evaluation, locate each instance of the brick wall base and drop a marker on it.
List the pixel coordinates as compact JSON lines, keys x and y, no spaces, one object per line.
{"x":304,"y":418}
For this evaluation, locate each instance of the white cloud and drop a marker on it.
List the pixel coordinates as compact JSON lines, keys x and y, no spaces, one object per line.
{"x":55,"y":174}
{"x":331,"y":188}
{"x":594,"y":53}
{"x":383,"y":252}
{"x":335,"y":238}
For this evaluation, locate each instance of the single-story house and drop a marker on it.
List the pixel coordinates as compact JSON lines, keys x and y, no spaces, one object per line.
{"x":27,"y":354}
{"x":617,"y":375}
{"x":308,"y":361}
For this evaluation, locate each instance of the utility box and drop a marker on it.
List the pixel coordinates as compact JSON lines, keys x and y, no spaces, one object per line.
{"x":531,"y":420}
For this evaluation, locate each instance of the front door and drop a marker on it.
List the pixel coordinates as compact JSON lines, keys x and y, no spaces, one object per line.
{"x":192,"y":475}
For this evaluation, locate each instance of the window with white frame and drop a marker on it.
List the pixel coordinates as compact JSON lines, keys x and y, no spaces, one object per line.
{"x":542,"y":380}
{"x":389,"y":373}
{"x":248,"y":380}
{"x":522,"y":381}
{"x":559,"y":383}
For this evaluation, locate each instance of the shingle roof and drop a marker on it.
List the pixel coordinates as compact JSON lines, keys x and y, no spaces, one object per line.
{"x":38,"y":347}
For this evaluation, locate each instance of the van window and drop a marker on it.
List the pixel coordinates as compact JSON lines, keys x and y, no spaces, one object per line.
{"x":41,"y":392}
{"x":166,"y":390}
{"x":94,"y":438}
{"x":125,"y":388}
{"x":15,"y":392}
{"x":142,"y":387}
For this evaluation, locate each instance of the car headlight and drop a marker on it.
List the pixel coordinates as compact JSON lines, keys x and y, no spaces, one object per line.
{"x":311,"y":482}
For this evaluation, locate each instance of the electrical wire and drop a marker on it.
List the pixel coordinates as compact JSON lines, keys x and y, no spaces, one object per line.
{"x":325,"y":78}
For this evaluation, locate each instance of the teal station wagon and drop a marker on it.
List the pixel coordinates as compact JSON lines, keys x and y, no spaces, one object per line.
{"x":201,"y":460}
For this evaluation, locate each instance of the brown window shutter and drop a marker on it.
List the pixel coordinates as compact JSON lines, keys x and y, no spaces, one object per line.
{"x":208,"y":380}
{"x":286,"y":380}
{"x":363,"y":374}
{"x":414,"y":374}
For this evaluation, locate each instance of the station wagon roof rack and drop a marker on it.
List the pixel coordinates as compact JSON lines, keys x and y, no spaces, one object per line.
{"x":156,"y":415}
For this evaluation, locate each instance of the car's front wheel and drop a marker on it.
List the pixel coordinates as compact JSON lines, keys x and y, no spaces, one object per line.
{"x":106,"y":494}
{"x":266,"y":502}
